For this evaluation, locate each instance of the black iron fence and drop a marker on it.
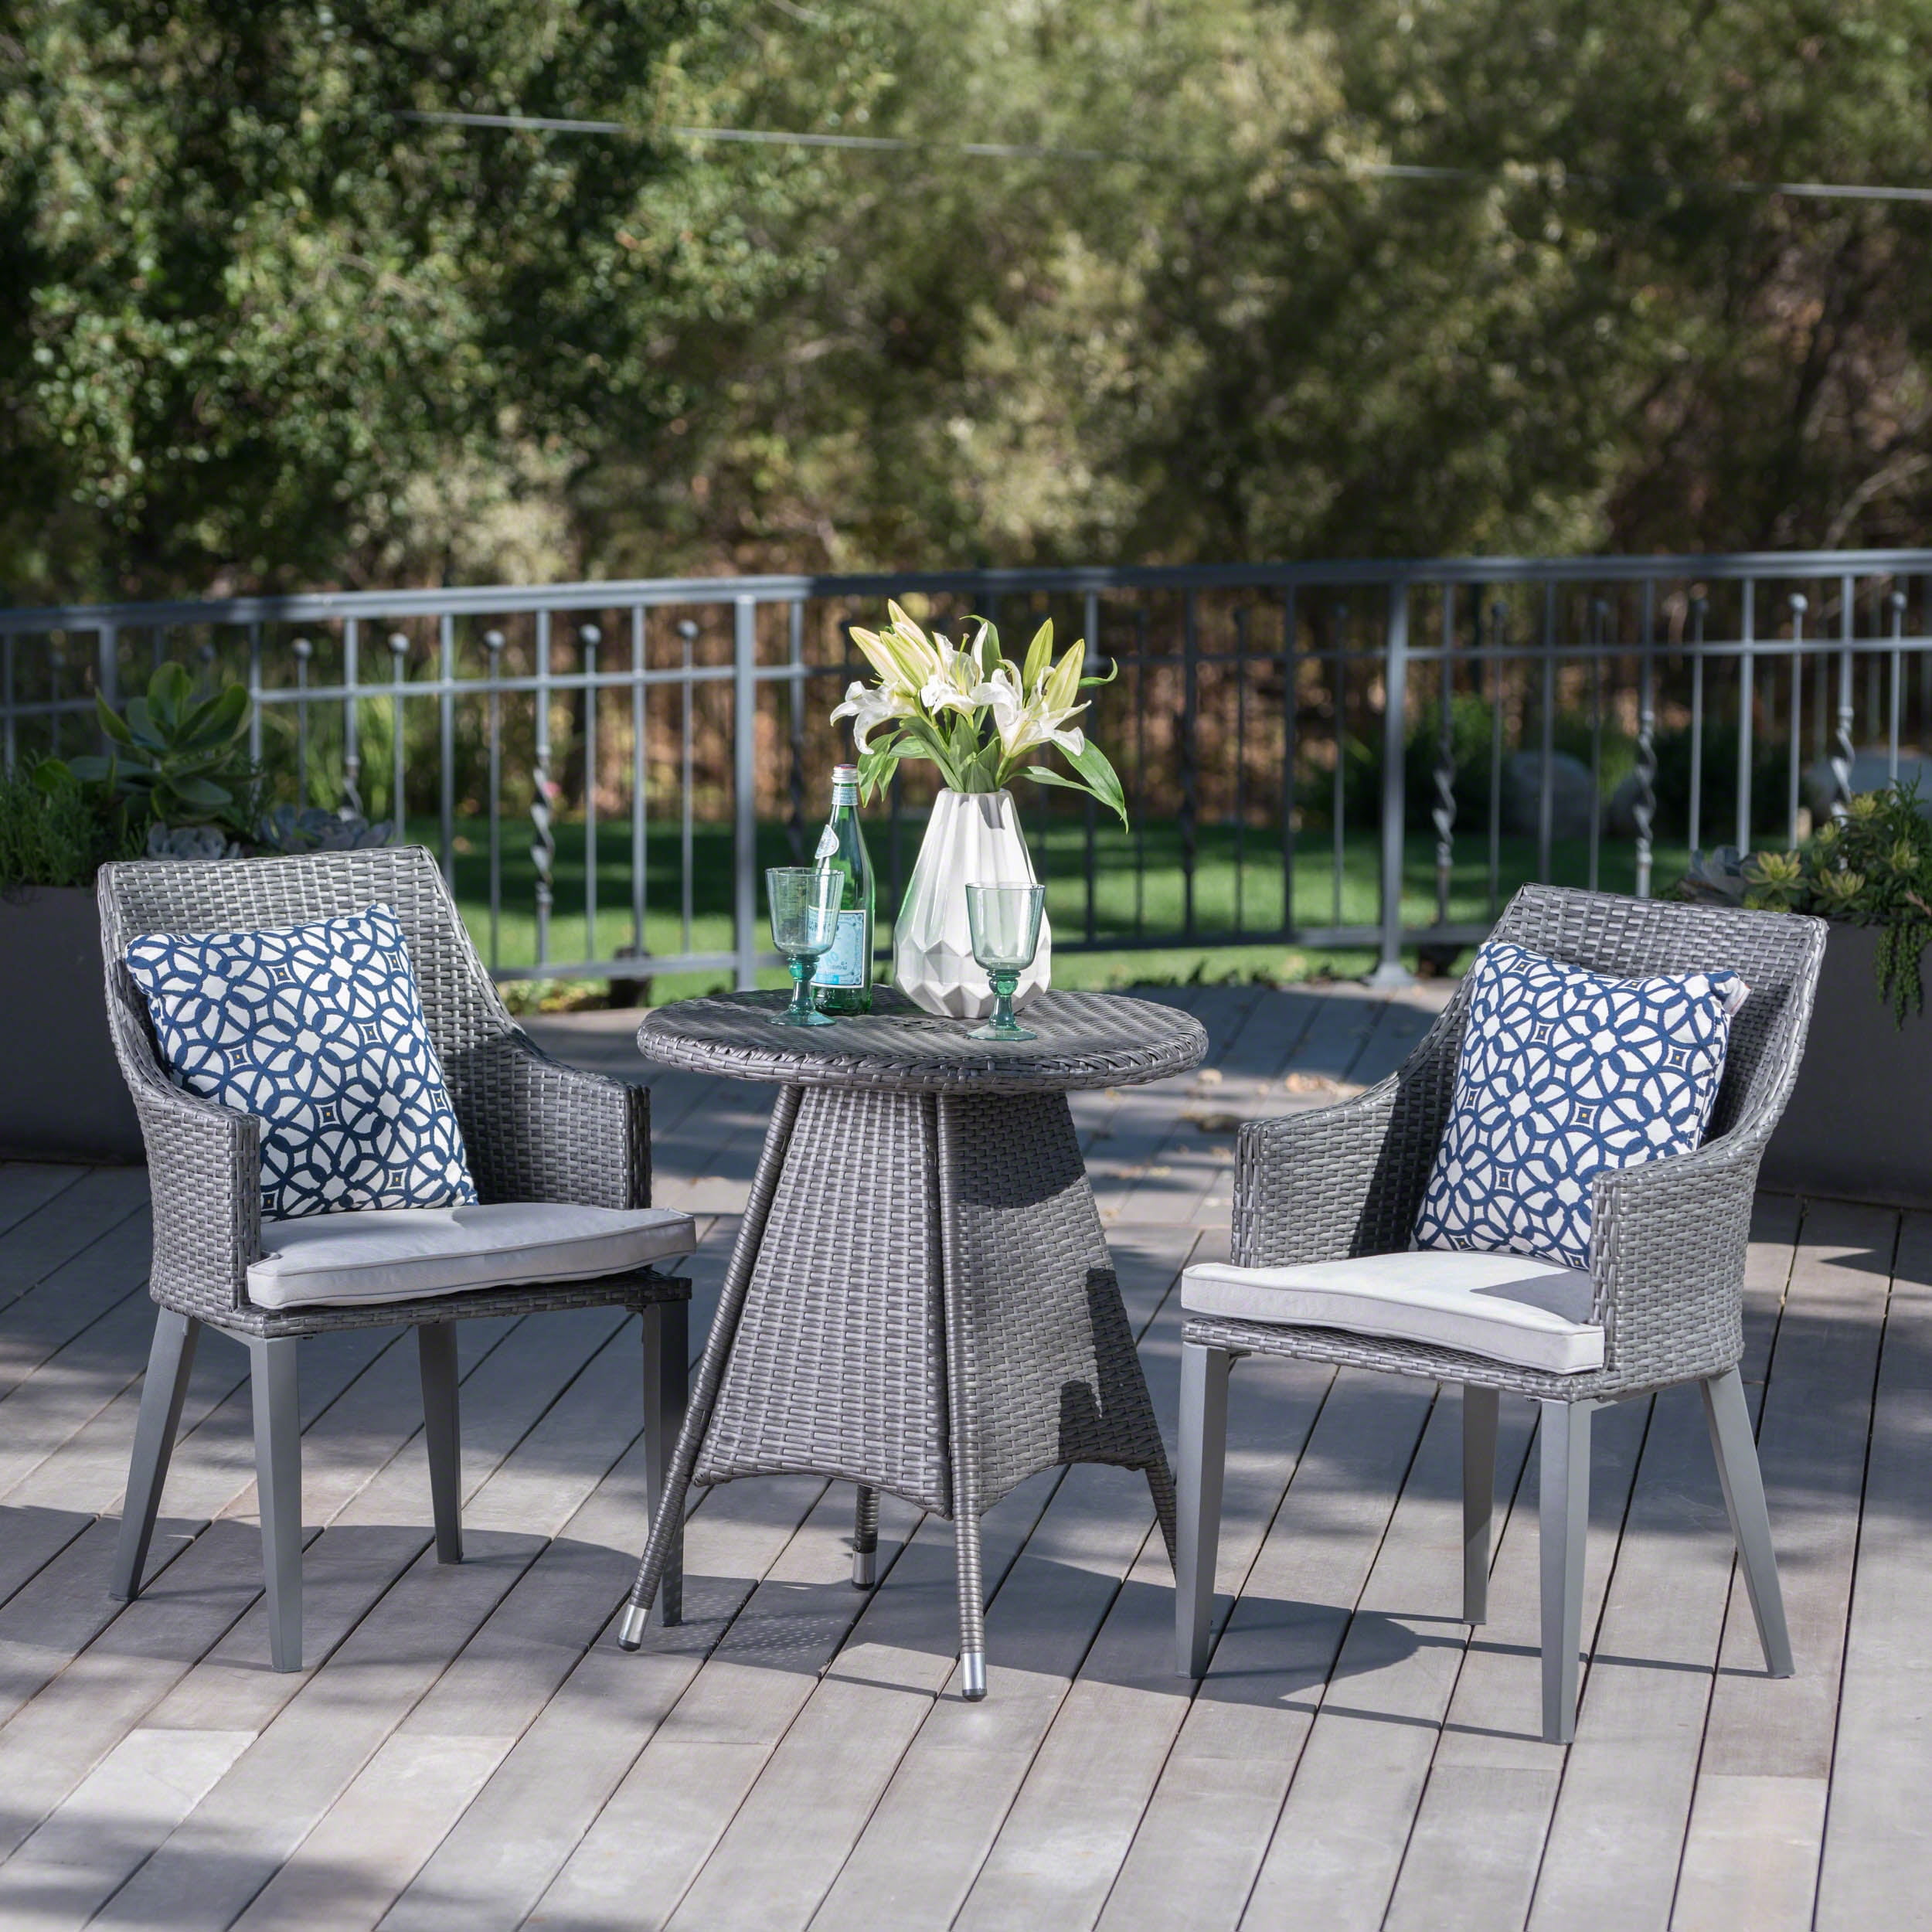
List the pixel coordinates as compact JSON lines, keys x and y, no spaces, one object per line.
{"x":1369,"y":754}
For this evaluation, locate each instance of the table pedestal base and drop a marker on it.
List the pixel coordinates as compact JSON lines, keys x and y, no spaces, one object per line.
{"x":920,"y":1301}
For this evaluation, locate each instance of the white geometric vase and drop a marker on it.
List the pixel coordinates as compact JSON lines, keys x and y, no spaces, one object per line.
{"x":973,"y":838}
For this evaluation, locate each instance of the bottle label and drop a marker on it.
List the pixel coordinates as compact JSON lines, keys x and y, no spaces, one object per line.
{"x":828,"y":843}
{"x":844,"y":964}
{"x":845,"y":794}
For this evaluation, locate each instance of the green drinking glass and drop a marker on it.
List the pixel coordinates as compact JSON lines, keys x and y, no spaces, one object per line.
{"x":1004,"y":921}
{"x":804,"y":904}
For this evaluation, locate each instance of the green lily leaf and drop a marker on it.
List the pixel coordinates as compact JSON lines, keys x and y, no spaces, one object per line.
{"x":1092,"y":764}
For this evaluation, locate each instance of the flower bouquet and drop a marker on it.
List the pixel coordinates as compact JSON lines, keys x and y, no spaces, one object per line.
{"x":975,"y":713}
{"x":983,"y":720}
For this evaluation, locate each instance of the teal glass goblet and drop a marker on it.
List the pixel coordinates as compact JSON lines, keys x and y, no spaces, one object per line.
{"x":805,"y":921}
{"x":1004,"y":921}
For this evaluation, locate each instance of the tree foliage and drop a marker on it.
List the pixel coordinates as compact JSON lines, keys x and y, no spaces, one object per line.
{"x":253,"y":328}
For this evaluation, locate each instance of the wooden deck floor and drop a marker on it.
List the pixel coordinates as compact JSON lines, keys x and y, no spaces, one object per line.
{"x":469,"y":1751}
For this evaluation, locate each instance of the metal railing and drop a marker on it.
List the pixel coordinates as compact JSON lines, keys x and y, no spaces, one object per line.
{"x":1362,"y":754}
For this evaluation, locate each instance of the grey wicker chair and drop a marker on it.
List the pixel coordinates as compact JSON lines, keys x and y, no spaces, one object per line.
{"x":536,"y":1131}
{"x":1665,"y":1278}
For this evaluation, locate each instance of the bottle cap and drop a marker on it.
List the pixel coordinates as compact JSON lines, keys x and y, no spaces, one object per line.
{"x":844,"y":774}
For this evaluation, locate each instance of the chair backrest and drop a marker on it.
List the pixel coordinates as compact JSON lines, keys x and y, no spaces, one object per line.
{"x":189,"y":896}
{"x":1776,"y":954}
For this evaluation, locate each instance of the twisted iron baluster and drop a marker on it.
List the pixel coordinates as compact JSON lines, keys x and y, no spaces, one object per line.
{"x":1443,"y":812}
{"x":1643,"y":810}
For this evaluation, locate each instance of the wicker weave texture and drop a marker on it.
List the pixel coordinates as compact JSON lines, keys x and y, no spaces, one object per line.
{"x":1668,"y":1239}
{"x":838,"y":1366}
{"x":1044,"y":1359}
{"x":1085,"y":1040}
{"x":535,"y":1129}
{"x":920,"y":1299}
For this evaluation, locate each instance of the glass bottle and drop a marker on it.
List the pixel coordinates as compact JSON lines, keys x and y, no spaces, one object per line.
{"x":843,"y":984}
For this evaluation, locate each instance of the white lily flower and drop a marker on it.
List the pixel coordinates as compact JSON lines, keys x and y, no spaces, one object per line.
{"x":958,"y":686}
{"x":869,"y":707}
{"x":1023,"y":722}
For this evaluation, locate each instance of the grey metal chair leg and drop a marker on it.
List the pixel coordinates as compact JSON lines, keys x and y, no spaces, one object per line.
{"x":442,"y":1434}
{"x":1478,"y":1498}
{"x":171,"y":1360}
{"x":1743,"y":1483}
{"x":972,"y":1604}
{"x":666,"y":1537}
{"x":667,"y":1378}
{"x":864,"y":1539}
{"x":1202,"y":1462}
{"x":1563,"y":1428}
{"x":278,"y":1481}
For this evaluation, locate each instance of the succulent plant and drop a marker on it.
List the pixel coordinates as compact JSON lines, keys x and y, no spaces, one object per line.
{"x":190,"y":842}
{"x":180,"y":760}
{"x":286,"y":830}
{"x":1871,"y":867}
{"x":1715,"y":878}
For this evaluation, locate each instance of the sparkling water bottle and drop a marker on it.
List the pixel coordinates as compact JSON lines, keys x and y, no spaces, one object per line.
{"x":843,"y":982}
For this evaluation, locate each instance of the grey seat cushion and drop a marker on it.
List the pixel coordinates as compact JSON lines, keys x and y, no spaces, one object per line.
{"x":392,"y":1254}
{"x":1506,"y":1307}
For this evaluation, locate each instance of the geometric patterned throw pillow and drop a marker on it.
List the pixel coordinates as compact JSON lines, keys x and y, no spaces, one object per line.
{"x":1563,"y":1075}
{"x":319,"y":1030}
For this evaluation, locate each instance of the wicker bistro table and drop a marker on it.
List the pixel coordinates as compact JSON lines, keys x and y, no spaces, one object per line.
{"x":920,"y":1298}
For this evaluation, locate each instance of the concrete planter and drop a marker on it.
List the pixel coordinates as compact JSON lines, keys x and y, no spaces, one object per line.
{"x":1859,"y":1124}
{"x":61,"y":1094}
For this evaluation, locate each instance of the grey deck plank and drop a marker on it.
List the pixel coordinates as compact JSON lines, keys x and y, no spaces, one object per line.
{"x":556,"y":1776}
{"x":391,"y":1815}
{"x":69,"y":1220}
{"x":27,"y":1185}
{"x":922,"y":1849}
{"x":104,"y":1274}
{"x":1358,"y":1779}
{"x":55,"y":1740}
{"x":527,"y":1767}
{"x":784,"y":1847}
{"x":351,"y":1567}
{"x":879,"y":1693}
{"x":1086,"y":1794}
{"x":1185,"y":1167}
{"x":1473,"y":1856}
{"x":681,"y":1794}
{"x":1876,"y":1868}
{"x":1630,"y":1775}
{"x":1767,"y":1744}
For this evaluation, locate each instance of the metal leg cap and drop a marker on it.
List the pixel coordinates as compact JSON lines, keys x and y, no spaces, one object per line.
{"x":630,"y":1630}
{"x":973,"y":1672}
{"x":864,"y":1569}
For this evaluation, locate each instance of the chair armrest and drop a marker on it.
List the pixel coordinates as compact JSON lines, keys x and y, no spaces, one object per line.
{"x":1319,"y":1186}
{"x":1667,"y":1244}
{"x":204,"y":1182}
{"x":538,"y":1129}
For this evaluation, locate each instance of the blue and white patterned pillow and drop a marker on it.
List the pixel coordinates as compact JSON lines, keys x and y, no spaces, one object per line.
{"x":320,"y":1031}
{"x":1563,"y":1075}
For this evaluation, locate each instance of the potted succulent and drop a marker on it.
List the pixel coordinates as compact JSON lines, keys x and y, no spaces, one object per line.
{"x":1859,"y":1123}
{"x":983,"y":720}
{"x":175,"y":781}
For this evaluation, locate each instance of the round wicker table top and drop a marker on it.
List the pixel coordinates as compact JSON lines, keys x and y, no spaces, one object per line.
{"x":1085,"y":1040}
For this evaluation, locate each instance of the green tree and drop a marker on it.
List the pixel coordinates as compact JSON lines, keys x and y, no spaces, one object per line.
{"x":255,"y":328}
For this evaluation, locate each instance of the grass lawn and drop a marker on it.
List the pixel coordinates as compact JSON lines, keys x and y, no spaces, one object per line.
{"x":1223,"y":890}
